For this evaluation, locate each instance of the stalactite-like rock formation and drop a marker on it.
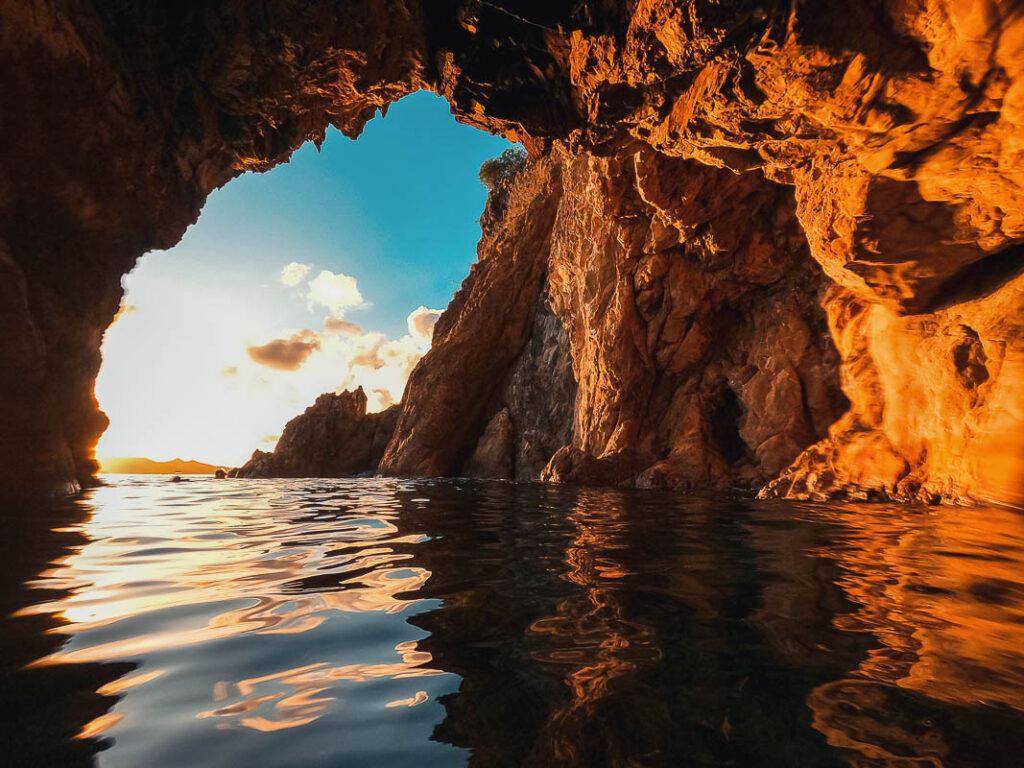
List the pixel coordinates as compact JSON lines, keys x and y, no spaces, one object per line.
{"x":898,"y":125}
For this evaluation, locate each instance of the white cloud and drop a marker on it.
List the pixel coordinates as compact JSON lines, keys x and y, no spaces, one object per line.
{"x":422,"y":321}
{"x":335,"y":292}
{"x":294,"y":273}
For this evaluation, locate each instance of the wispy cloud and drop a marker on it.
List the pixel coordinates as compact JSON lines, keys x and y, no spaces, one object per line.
{"x":341,"y":327}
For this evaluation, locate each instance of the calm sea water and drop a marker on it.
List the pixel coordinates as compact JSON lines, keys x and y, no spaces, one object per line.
{"x":397,"y":623}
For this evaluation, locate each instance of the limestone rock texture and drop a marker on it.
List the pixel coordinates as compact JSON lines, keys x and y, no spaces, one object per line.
{"x":334,"y":437}
{"x":894,"y":127}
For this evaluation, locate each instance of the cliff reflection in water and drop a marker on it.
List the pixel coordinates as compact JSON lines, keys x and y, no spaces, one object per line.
{"x":384,"y":622}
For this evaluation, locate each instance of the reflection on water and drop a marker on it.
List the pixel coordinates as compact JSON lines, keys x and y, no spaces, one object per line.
{"x":383,"y":622}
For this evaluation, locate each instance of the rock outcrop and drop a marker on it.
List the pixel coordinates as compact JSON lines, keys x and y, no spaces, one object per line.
{"x":455,"y":388}
{"x":898,"y":126}
{"x":334,"y":437}
{"x":686,"y":345}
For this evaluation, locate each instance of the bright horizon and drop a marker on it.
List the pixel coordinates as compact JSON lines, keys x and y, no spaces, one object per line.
{"x":323,"y":274}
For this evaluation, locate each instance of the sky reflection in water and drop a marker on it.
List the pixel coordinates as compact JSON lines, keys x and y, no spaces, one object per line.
{"x":384,"y":622}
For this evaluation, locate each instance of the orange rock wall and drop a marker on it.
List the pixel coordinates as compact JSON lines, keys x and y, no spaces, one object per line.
{"x":898,"y":124}
{"x":937,"y":404}
{"x":699,"y":349}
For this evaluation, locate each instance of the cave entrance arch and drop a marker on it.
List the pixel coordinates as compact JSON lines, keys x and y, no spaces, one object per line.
{"x":325,"y":273}
{"x":130,"y":114}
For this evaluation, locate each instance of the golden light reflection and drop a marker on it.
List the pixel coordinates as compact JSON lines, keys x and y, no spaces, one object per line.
{"x":414,"y":701}
{"x":590,"y":632}
{"x":940,"y":592}
{"x":215,"y":567}
{"x":131,"y":573}
{"x":116,"y":687}
{"x":299,"y":695}
{"x":100,"y":725}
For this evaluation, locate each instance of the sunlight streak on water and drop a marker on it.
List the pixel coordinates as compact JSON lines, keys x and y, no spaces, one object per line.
{"x":384,"y":622}
{"x":177,"y":571}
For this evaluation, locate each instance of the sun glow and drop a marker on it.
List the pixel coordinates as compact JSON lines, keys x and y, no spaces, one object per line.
{"x":314,"y":277}
{"x":221,"y":378}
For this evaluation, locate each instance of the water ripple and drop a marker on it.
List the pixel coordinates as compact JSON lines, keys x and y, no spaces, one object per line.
{"x":383,"y":622}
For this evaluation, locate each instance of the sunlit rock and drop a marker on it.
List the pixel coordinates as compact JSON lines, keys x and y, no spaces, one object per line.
{"x":898,"y":126}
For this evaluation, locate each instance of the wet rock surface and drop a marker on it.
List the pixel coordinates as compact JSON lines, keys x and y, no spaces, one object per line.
{"x":898,"y":126}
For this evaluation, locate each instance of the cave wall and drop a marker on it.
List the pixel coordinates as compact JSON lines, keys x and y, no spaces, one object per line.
{"x":119,"y":118}
{"x":698,"y":339}
{"x":937,"y":404}
{"x":899,"y":125}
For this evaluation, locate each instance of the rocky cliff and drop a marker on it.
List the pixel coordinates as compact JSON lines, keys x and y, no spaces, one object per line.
{"x":665,"y":329}
{"x":457,"y":387}
{"x":894,"y":128}
{"x":334,"y":437}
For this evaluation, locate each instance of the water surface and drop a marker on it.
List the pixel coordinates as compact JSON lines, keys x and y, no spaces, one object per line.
{"x":397,"y":623}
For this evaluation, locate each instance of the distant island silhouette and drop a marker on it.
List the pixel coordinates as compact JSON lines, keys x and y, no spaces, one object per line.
{"x":143,"y":466}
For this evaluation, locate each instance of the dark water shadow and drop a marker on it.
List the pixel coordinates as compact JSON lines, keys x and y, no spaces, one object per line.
{"x":604,"y":627}
{"x":43,"y":710}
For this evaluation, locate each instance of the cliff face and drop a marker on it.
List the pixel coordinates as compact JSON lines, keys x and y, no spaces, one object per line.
{"x":455,"y":388}
{"x":685,"y":346}
{"x":334,"y":437}
{"x":697,"y":335}
{"x":898,"y":126}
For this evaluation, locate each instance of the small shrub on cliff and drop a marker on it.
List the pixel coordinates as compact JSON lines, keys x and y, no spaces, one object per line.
{"x":499,"y":170}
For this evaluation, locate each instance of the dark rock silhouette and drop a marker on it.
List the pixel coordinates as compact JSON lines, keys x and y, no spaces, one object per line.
{"x":334,"y":437}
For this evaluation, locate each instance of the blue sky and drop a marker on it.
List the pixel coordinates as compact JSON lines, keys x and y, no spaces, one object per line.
{"x":397,"y":210}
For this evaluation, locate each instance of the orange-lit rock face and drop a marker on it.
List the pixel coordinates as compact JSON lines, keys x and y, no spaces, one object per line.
{"x":693,"y":313}
{"x":696,"y":351}
{"x":937,"y":403}
{"x":899,"y":126}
